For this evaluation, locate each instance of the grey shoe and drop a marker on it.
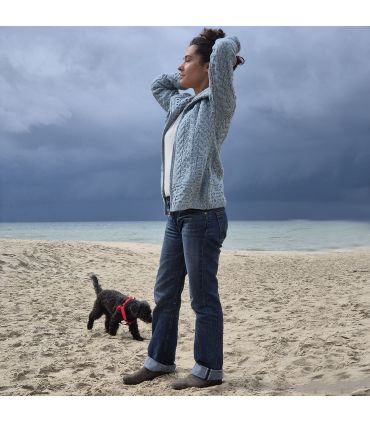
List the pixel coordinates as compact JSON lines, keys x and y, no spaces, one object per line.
{"x":192,"y":381}
{"x":141,"y":376}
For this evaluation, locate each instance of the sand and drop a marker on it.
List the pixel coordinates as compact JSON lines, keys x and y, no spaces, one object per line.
{"x":296,"y":323}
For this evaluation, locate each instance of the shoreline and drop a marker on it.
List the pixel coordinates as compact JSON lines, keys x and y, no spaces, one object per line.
{"x":123,"y":244}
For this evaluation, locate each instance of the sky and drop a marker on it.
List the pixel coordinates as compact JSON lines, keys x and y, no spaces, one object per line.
{"x":80,"y":132}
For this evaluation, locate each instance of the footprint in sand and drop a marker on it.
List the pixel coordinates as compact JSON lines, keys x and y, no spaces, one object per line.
{"x":49,"y":369}
{"x":299,"y":361}
{"x":13,"y":334}
{"x":21,"y":375}
{"x":342,"y":375}
{"x":96,"y":335}
{"x":82,"y":385}
{"x":28,"y":387}
{"x":243,"y":360}
{"x":361,"y":392}
{"x":47,"y":353}
{"x":37,"y":339}
{"x":22,"y":263}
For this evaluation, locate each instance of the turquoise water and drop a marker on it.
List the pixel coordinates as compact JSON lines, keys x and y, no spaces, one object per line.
{"x":301,"y":235}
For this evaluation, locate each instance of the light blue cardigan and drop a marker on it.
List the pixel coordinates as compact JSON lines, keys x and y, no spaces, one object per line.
{"x":196,"y":178}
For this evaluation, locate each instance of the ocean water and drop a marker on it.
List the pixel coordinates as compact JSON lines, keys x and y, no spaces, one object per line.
{"x":290,"y":235}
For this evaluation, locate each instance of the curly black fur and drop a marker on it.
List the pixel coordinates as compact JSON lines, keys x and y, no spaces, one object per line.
{"x":106,"y":303}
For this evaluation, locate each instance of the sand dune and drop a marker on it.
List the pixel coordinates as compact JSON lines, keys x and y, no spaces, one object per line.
{"x":295,"y":323}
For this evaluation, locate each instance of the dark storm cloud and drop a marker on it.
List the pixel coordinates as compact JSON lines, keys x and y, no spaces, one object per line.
{"x":305,"y":115}
{"x":80,"y":131}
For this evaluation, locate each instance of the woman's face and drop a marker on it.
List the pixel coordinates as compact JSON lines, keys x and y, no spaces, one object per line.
{"x":193,"y":73}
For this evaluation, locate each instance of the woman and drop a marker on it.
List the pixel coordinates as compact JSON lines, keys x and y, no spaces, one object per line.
{"x":194,"y":201}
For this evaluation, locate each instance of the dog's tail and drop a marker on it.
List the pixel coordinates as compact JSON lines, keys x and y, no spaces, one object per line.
{"x":96,"y":283}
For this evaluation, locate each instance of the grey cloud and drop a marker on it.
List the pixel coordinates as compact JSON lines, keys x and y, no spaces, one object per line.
{"x":48,"y":75}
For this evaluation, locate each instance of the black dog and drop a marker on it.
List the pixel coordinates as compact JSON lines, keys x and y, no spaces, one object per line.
{"x":118,"y":307}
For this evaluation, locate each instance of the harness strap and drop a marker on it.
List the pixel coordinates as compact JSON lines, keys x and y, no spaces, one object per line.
{"x":121,"y":308}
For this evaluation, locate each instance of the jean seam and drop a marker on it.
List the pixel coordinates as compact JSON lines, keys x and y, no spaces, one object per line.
{"x":219,"y":226}
{"x":173,"y":320}
{"x":202,"y":261}
{"x":166,"y":340}
{"x":218,"y":217}
{"x":203,"y":275}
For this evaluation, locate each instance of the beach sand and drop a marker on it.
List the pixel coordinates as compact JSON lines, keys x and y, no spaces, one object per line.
{"x":296,"y":323}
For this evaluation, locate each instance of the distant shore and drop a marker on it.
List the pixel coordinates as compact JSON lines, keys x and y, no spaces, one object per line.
{"x":296,"y":323}
{"x":290,"y":235}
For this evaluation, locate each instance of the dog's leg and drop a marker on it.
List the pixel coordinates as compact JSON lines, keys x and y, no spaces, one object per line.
{"x":107,"y":322}
{"x":134,"y":329}
{"x":95,"y":314}
{"x":114,"y":323}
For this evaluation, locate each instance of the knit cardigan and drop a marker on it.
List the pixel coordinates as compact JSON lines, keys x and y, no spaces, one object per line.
{"x":196,"y":177}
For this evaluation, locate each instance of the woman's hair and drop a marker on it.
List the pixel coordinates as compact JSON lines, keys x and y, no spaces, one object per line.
{"x":204,"y":42}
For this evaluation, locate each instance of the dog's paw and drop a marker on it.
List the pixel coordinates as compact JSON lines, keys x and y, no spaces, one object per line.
{"x":139,"y":339}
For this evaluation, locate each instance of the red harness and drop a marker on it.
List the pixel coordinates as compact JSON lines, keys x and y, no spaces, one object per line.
{"x":122,"y":309}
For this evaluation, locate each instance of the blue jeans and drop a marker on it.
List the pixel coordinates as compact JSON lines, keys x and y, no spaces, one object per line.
{"x":192,"y":244}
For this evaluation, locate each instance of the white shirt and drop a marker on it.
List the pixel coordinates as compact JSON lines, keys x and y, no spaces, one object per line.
{"x":168,"y":148}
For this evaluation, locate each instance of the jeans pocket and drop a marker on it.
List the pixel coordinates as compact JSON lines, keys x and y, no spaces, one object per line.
{"x":222,"y":224}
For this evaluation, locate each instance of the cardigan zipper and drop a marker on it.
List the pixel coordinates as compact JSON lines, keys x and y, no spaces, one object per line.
{"x":174,"y":151}
{"x":172,"y":158}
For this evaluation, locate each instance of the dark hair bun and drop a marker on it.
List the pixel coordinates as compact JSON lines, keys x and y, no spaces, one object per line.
{"x":212,"y":34}
{"x":205,"y":41}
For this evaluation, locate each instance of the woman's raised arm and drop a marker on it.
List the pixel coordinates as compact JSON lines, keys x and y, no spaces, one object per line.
{"x":220,"y":74}
{"x":166,"y":87}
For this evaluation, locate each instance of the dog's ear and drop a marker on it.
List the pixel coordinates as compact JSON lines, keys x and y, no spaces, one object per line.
{"x":134,"y":309}
{"x":144,"y":305}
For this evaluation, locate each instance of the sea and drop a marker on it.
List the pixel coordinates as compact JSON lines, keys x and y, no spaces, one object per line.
{"x":288,"y":235}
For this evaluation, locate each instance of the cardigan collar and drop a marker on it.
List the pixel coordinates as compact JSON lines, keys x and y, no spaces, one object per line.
{"x":184,"y":103}
{"x":191,"y":99}
{"x":204,"y":93}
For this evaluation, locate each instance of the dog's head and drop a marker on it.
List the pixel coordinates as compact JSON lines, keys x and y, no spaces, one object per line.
{"x":140,"y":310}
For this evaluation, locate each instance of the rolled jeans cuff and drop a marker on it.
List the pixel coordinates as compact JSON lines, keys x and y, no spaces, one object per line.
{"x":206,"y":373}
{"x":154,"y":366}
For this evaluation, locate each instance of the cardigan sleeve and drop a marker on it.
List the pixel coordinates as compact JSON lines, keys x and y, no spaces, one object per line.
{"x":220,"y":74}
{"x":165,"y":89}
